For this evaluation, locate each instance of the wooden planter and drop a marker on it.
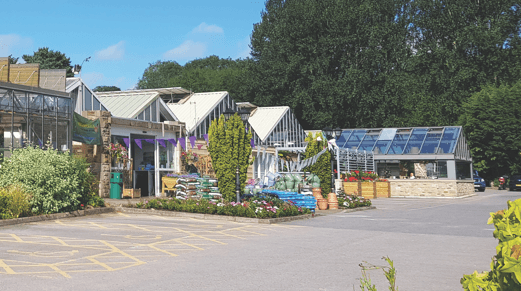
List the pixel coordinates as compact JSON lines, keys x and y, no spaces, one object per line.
{"x":131,"y":193}
{"x":370,"y":190}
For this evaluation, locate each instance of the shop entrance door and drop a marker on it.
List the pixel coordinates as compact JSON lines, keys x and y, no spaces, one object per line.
{"x":144,"y":164}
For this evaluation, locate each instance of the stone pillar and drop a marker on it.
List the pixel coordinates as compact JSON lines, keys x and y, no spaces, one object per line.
{"x":100,"y":159}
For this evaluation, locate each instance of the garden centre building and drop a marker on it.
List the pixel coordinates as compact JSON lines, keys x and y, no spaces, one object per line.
{"x":438,"y":158}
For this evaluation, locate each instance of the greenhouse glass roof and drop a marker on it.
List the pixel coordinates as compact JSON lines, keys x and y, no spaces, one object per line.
{"x":398,"y":141}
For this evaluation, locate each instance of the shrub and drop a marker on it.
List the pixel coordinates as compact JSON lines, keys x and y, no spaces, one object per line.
{"x":58,"y":182}
{"x":506,"y":264}
{"x":14,"y":202}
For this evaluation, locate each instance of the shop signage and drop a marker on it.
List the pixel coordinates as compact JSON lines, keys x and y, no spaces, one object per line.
{"x":85,"y":130}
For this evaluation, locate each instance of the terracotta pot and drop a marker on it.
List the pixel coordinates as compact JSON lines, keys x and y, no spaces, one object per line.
{"x":333,"y":205}
{"x":317,"y":193}
{"x":331,"y":197}
{"x":322,"y":204}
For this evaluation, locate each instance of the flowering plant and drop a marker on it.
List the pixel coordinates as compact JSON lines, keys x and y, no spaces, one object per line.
{"x":364,"y":176}
{"x":117,"y":151}
{"x":189,"y":156}
{"x":352,"y":200}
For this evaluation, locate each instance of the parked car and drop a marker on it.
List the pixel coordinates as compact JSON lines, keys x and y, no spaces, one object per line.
{"x":479,"y":183}
{"x":515,"y":182}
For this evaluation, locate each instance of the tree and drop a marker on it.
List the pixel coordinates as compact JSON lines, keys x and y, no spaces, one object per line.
{"x":492,"y":121}
{"x":158,"y":74}
{"x":106,"y":88}
{"x":322,"y":168}
{"x":12,"y":60}
{"x":229,"y":146}
{"x":49,"y":59}
{"x":362,"y":63}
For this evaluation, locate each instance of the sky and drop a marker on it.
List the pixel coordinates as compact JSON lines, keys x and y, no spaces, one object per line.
{"x":124,"y":37}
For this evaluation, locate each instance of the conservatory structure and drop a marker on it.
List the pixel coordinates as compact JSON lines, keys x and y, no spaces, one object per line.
{"x":437,"y":158}
{"x":34,"y":115}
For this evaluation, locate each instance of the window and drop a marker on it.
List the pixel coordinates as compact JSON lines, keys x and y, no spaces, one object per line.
{"x":87,"y":101}
{"x":96,"y":104}
{"x":154,"y":111}
{"x":416,"y":141}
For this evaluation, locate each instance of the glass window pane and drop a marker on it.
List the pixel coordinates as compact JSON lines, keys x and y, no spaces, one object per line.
{"x":35,"y":103}
{"x":63,"y":134}
{"x":416,"y":140}
{"x":49,"y":132}
{"x":397,"y":145}
{"x":154,"y":111}
{"x":49,"y":106}
{"x":20,"y":102}
{"x":343,"y":137}
{"x":5,"y":100}
{"x":19,"y":131}
{"x":64,"y":107}
{"x":140,"y":116}
{"x":35,"y":132}
{"x":96,"y":105}
{"x":87,"y":101}
{"x":5,"y":129}
{"x":431,"y":142}
{"x":147,"y":113}
{"x":368,"y":142}
{"x":355,"y":139}
{"x":449,"y":140}
{"x":103,"y":108}
{"x":381,"y":147}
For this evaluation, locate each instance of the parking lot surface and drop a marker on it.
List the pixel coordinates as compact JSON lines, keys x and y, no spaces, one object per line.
{"x":433,"y":242}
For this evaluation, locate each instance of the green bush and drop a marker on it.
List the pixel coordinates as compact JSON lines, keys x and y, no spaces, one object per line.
{"x":14,"y":202}
{"x":58,"y":182}
{"x":506,"y":264}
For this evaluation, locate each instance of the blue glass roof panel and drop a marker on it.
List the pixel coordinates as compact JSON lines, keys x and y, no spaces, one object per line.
{"x":343,"y":138}
{"x":415,"y":141}
{"x":398,"y":143}
{"x":381,"y":146}
{"x":431,"y":142}
{"x":354,"y":140}
{"x":368,"y":142}
{"x":449,"y":140}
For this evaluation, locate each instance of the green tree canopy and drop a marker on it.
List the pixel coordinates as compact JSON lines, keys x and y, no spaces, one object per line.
{"x":492,"y":120}
{"x":49,"y":59}
{"x":158,"y":74}
{"x":106,"y":88}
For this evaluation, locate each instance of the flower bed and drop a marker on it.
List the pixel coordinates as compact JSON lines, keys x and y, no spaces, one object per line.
{"x":352,"y":201}
{"x":255,"y":207}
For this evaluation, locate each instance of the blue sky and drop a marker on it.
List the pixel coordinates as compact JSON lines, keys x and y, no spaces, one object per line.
{"x":123,"y":37}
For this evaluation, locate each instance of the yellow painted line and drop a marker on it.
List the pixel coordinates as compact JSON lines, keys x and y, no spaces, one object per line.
{"x":16,"y":238}
{"x":7,"y":269}
{"x":123,"y":214}
{"x":227,"y":234}
{"x":115,"y":249}
{"x":95,"y":224}
{"x":60,"y":222}
{"x":59,"y":240}
{"x":109,"y":268}
{"x":163,"y":251}
{"x":200,"y":236}
{"x":46,"y":254}
{"x":261,"y":234}
{"x":59,"y":271}
{"x":137,"y":227}
{"x":187,"y":244}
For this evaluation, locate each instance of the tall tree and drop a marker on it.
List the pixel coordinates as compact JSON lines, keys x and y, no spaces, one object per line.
{"x":49,"y":59}
{"x":158,"y":74}
{"x":335,"y":62}
{"x":13,"y":60}
{"x":106,"y":88}
{"x":492,"y":120}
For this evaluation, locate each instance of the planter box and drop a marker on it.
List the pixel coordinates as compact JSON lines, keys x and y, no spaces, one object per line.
{"x":370,"y":190}
{"x":131,"y":193}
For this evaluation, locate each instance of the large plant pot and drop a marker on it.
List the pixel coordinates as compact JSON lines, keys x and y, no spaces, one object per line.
{"x":332,"y":201}
{"x":317,"y":193}
{"x":322,"y":204}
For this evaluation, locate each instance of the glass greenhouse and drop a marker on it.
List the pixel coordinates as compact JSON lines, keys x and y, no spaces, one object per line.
{"x":425,"y":152}
{"x":33,"y":115}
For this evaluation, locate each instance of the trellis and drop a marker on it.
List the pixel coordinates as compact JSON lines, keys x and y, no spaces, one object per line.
{"x":350,"y":160}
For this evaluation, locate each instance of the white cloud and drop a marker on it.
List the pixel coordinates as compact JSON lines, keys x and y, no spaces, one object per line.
{"x":113,"y":52}
{"x":205,"y":28}
{"x":14,"y":44}
{"x":187,"y":50}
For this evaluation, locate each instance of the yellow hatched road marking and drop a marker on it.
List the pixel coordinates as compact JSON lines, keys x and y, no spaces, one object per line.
{"x":52,"y":266}
{"x":123,"y":214}
{"x":95,"y":224}
{"x":115,"y":249}
{"x":6,"y":267}
{"x":137,"y":227}
{"x":101,"y":264}
{"x":199,"y":236}
{"x":16,"y":238}
{"x":59,"y":240}
{"x":227,"y":234}
{"x":187,"y":244}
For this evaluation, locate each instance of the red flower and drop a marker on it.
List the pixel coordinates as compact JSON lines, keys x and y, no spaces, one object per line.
{"x":352,"y":179}
{"x":335,"y":171}
{"x":345,"y":180}
{"x":357,"y":172}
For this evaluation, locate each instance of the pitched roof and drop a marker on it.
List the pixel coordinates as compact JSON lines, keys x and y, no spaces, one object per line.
{"x":265,"y":119}
{"x":127,"y":104}
{"x":196,"y":107}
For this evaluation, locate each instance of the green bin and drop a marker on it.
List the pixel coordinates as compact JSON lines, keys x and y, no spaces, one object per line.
{"x":116,"y":184}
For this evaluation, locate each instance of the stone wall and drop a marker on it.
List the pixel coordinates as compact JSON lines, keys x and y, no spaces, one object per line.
{"x":431,"y":188}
